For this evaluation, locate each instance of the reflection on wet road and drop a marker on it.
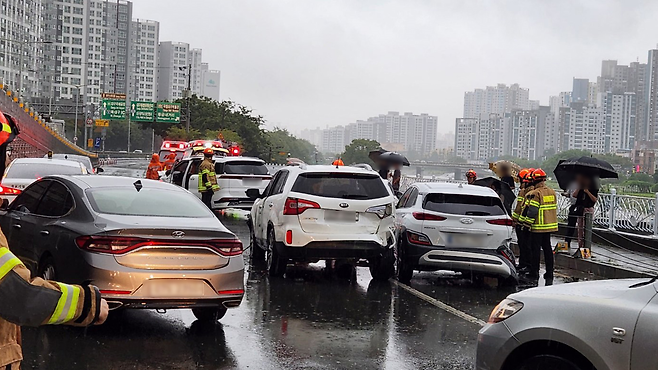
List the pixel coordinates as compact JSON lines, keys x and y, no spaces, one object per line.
{"x":310,"y":319}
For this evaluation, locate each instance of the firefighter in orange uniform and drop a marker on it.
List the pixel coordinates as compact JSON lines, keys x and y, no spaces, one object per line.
{"x":170,"y":159}
{"x":154,"y":167}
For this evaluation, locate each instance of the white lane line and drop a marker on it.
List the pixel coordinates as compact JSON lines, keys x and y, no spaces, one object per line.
{"x":439,"y":304}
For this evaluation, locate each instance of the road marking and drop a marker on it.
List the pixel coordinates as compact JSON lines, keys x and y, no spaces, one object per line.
{"x":439,"y":304}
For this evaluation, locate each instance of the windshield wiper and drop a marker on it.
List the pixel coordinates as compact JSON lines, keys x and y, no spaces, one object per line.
{"x":644,"y":283}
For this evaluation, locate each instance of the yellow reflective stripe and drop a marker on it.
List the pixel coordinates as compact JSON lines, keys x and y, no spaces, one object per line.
{"x":534,"y":203}
{"x":7,"y":262}
{"x":66,"y":305}
{"x":6,"y":128}
{"x":548,"y":199}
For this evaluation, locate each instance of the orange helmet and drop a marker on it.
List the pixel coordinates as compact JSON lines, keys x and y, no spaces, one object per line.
{"x":471,"y":173}
{"x":523,"y":173}
{"x":538,"y":175}
{"x":208,"y":151}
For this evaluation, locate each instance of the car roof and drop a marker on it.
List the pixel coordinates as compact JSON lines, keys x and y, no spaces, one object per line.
{"x":329,"y":168}
{"x":451,"y":188}
{"x":60,"y":162}
{"x":86,"y":182}
{"x":225,"y":158}
{"x":70,"y":156}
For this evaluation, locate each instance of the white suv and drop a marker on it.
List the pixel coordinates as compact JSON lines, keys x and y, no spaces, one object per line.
{"x":311,"y":213}
{"x":234,"y":176}
{"x":456,"y":227}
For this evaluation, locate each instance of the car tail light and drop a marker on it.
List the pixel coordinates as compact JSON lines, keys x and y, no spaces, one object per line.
{"x":501,"y":222}
{"x":295,"y":206}
{"x":235,"y":291}
{"x":381,"y":211}
{"x":120,"y":245}
{"x":507,"y":254}
{"x":416,"y":238}
{"x":428,"y":217}
{"x":289,"y":237}
{"x":5,"y":190}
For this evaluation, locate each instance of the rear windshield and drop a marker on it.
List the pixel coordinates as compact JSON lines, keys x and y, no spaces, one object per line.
{"x":147,"y":202}
{"x":466,"y":205}
{"x":341,"y":185}
{"x":39,"y":170}
{"x":241,"y":168}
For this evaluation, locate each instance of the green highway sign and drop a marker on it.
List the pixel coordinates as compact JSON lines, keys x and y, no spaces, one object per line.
{"x":142,"y":111}
{"x":167,"y":112}
{"x":114,"y":106}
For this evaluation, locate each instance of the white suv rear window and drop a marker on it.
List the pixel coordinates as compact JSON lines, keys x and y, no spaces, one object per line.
{"x":341,"y":185}
{"x":241,"y":168}
{"x":465,"y":205}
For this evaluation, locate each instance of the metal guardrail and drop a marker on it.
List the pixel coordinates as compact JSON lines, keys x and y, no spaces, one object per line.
{"x":612,"y":211}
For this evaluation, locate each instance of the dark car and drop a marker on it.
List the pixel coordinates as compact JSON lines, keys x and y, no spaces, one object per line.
{"x":144,"y":243}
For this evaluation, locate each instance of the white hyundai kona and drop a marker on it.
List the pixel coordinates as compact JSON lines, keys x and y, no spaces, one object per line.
{"x":311,"y":213}
{"x":463,"y":228}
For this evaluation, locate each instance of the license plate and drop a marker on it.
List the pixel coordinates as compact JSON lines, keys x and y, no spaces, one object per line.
{"x":251,"y":182}
{"x":462,"y":240}
{"x":176,"y":288}
{"x":341,"y":216}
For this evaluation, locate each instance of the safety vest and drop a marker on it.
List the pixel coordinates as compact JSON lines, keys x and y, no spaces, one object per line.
{"x":522,"y":206}
{"x":520,"y":199}
{"x":541,"y":215}
{"x":207,"y":168}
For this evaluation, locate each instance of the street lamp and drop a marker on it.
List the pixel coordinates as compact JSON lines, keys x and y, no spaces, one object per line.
{"x":77,"y":103}
{"x":52,"y":88}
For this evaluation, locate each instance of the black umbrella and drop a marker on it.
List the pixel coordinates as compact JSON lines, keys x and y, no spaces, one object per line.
{"x":504,"y":191}
{"x":374,"y":154}
{"x":589,"y":166}
{"x":394,"y":158}
{"x":564,"y":177}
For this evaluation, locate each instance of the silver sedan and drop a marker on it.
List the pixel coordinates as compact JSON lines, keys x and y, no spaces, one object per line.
{"x":144,"y":243}
{"x":603,"y":325}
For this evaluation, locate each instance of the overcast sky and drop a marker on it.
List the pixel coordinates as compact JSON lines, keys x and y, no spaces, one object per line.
{"x":317,"y":63}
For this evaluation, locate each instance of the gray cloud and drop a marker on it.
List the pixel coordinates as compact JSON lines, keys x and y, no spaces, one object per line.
{"x":308,"y":63}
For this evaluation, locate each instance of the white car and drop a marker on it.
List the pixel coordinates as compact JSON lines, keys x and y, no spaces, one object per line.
{"x":24,"y":171}
{"x":463,"y":228}
{"x":311,"y":213}
{"x":235,"y":175}
{"x":603,"y":325}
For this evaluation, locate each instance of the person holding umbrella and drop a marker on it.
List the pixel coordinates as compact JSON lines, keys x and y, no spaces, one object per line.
{"x":541,"y":217}
{"x":586,"y":196}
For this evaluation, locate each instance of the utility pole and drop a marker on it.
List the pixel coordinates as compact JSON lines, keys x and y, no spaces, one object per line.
{"x":77,"y":103}
{"x":129,"y":111}
{"x":189,"y":95}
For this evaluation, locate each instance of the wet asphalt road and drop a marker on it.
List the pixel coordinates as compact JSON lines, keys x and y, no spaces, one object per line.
{"x":308,"y":320}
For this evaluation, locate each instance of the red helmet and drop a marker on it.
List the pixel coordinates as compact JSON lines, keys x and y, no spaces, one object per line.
{"x":538,"y":175}
{"x":208,"y":151}
{"x":471,"y":173}
{"x":523,"y":173}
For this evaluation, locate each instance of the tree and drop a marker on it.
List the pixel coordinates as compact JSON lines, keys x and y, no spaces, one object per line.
{"x":283,"y":144}
{"x":357,"y":151}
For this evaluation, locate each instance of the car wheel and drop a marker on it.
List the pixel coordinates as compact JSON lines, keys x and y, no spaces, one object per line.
{"x":405,"y":269}
{"x":257,"y":253}
{"x":209,"y":313}
{"x":47,"y":269}
{"x":276,"y":264}
{"x":548,"y":362}
{"x":383,"y":267}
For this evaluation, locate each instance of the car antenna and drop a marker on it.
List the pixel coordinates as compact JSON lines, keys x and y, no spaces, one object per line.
{"x":138,"y":185}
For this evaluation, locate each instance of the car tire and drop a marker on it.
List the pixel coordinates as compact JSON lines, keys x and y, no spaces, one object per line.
{"x":209,"y":313}
{"x":548,"y":362}
{"x":405,"y":269}
{"x":257,"y":253}
{"x":383,"y":267}
{"x":47,"y":269}
{"x":276,"y":264}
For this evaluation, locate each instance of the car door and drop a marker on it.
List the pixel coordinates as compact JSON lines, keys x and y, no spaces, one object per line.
{"x":644,"y":354}
{"x":268,"y":213}
{"x":404,"y":209}
{"x":257,"y":210}
{"x":192,"y":177}
{"x":51,"y":235}
{"x":23,"y":223}
{"x":178,"y":173}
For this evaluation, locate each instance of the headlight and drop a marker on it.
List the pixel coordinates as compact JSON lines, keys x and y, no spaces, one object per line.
{"x":381,"y":211}
{"x":505,"y":309}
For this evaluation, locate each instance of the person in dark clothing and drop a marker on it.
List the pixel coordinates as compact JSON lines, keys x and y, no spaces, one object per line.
{"x":397,"y":176}
{"x":507,"y":176}
{"x":574,"y":213}
{"x":586,"y":196}
{"x":383,"y":170}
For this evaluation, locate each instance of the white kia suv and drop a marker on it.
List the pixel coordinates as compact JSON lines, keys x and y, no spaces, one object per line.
{"x":311,"y":213}
{"x":463,"y":228}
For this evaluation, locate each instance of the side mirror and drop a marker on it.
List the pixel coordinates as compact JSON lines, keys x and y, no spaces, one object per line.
{"x":5,"y":204}
{"x":177,"y":175}
{"x":253,"y":194}
{"x":99,"y":170}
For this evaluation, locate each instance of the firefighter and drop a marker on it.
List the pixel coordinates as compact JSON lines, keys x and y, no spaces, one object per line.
{"x":154,"y":167}
{"x":35,"y":302}
{"x":541,"y":217}
{"x":207,"y":177}
{"x":170,"y":159}
{"x":521,"y":232}
{"x":471,"y":176}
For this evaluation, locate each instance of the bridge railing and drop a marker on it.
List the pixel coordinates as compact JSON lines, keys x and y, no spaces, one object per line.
{"x":612,"y":211}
